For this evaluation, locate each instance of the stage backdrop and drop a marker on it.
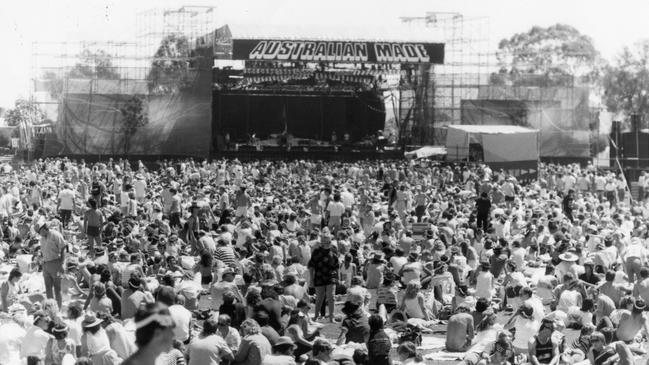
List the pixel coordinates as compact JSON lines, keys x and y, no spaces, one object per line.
{"x":557,"y":137}
{"x":500,"y":143}
{"x":303,"y":116}
{"x":179,"y":122}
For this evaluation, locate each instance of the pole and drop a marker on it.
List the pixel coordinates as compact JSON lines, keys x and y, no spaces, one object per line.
{"x":85,"y":136}
{"x":636,"y":131}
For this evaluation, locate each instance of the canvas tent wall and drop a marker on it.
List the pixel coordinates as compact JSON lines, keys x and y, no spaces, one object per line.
{"x":508,"y":147}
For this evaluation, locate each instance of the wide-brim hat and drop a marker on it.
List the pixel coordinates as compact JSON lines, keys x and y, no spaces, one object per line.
{"x":90,"y":321}
{"x":60,"y":328}
{"x":378,"y":257}
{"x":569,"y":256}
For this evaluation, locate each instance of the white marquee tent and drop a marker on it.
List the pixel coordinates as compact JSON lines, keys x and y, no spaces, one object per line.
{"x":500,"y":143}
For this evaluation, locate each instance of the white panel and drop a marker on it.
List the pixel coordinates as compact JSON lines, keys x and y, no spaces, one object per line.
{"x":510,"y":147}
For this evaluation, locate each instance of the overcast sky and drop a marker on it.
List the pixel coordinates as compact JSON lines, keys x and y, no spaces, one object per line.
{"x":612,"y":24}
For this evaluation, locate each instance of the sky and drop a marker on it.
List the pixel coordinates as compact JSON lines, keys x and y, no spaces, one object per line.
{"x":611,"y":24}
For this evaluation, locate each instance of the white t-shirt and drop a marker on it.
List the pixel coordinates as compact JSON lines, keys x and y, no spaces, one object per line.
{"x":242,"y":236}
{"x":525,"y":329}
{"x":182,"y":318}
{"x":347,"y":199}
{"x":336,"y":209}
{"x":123,"y":199}
{"x":398,"y":262}
{"x":140,"y":188}
{"x":35,"y":342}
{"x":66,"y":199}
{"x":484,"y":285}
{"x":569,"y":298}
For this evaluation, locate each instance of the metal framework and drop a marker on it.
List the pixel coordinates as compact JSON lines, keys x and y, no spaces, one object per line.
{"x":90,"y":70}
{"x":190,"y":21}
{"x":130,"y":62}
{"x":466,"y":65}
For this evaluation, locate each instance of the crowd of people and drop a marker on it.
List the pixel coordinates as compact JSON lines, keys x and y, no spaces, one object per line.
{"x":284,"y":263}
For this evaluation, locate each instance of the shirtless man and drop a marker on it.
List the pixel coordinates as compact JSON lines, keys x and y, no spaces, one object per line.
{"x":632,"y":322}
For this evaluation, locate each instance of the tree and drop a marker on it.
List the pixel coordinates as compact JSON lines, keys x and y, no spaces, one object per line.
{"x":626,"y":83}
{"x":54,"y":84}
{"x":24,"y":111}
{"x":553,"y":55}
{"x":170,"y":67}
{"x":94,"y":65}
{"x":133,"y":118}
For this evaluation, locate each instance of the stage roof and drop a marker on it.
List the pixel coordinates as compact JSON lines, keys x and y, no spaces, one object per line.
{"x":493,"y":129}
{"x":309,"y":32}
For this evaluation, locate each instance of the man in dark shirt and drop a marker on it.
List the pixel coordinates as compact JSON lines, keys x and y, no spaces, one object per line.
{"x":323,"y":270}
{"x":236,"y":311}
{"x":267,"y":330}
{"x":497,"y":261}
{"x":567,"y":204}
{"x":483,"y":206}
{"x":379,"y":344}
{"x":589,"y":275}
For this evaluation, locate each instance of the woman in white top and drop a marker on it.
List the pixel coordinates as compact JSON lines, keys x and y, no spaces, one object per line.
{"x":484,"y":282}
{"x":526,"y":328}
{"x":413,"y":303}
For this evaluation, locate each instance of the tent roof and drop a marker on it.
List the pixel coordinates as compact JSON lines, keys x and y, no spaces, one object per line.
{"x":427,"y":151}
{"x":493,"y":129}
{"x":310,"y":32}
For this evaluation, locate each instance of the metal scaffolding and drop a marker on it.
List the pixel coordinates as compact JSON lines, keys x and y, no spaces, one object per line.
{"x":191,"y":22}
{"x":100,"y":76}
{"x":467,"y":63}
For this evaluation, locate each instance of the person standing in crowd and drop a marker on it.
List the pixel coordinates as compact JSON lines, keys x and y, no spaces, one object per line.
{"x":242,"y":201}
{"x":516,"y":249}
{"x":334,"y":213}
{"x":53,"y":247}
{"x":323,"y":271}
{"x":483,"y":210}
{"x":175,"y":209}
{"x":93,"y":220}
{"x":66,"y":204}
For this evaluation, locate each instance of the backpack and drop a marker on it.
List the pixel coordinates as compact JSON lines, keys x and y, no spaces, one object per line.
{"x":96,"y":189}
{"x":412,"y":334}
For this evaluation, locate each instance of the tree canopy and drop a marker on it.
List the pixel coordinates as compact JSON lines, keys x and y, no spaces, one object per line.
{"x":626,"y":83}
{"x":555,"y":55}
{"x":94,"y":64}
{"x":133,"y":117}
{"x":24,"y":110}
{"x":170,"y":67}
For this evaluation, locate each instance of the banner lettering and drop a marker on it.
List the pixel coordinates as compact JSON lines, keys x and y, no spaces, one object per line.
{"x":352,"y":52}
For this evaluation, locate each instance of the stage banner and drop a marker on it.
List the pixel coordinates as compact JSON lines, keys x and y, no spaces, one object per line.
{"x":352,"y":52}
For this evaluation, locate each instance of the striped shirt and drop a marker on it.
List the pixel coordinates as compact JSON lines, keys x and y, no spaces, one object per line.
{"x":226,"y":255}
